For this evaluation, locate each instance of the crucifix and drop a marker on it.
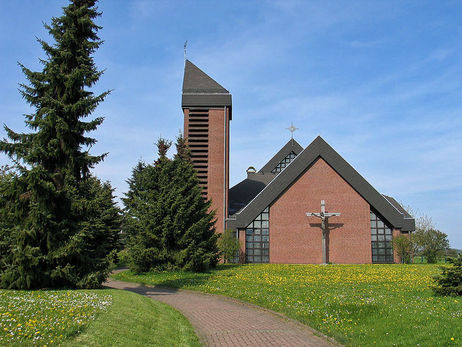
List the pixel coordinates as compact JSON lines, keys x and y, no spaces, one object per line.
{"x":325,"y":228}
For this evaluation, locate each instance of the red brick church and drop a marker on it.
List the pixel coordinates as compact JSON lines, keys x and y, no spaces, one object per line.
{"x":304,"y":206}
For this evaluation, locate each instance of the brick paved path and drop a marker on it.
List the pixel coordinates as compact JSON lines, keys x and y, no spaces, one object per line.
{"x":219,"y":321}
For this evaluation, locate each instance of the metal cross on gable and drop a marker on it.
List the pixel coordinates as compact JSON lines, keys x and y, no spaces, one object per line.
{"x":325,"y":228}
{"x":292,"y":129}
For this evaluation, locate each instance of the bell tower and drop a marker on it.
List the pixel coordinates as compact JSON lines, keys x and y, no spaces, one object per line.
{"x":207,"y":113}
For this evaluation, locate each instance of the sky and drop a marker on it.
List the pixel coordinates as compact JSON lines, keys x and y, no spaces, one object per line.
{"x":380,"y":81}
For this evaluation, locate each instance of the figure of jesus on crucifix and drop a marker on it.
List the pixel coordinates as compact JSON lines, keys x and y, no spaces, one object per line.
{"x":325,"y":228}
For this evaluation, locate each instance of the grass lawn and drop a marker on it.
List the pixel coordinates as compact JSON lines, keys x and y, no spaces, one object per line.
{"x":356,"y":304}
{"x":90,"y":318}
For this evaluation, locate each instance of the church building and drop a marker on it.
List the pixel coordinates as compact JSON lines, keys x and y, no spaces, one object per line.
{"x":304,"y":206}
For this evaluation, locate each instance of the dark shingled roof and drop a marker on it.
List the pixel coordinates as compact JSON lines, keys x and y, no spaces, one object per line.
{"x":200,"y":90}
{"x":243,"y":192}
{"x":302,"y":162}
{"x":291,"y":146}
{"x":398,"y":206}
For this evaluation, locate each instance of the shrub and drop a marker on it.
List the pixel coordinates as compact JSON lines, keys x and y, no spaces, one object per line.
{"x":229,"y":246}
{"x":403,"y":247}
{"x":449,"y":282}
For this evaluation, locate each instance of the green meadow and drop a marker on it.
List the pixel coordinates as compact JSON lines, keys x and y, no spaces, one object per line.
{"x":90,"y":318}
{"x":358,"y":305}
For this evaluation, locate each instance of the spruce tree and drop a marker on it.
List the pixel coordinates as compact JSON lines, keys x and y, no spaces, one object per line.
{"x":193,"y":220}
{"x":167,"y":220}
{"x":62,"y":214}
{"x":144,"y":213}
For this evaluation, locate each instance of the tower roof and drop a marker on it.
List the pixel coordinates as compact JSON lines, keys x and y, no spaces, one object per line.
{"x":200,"y":90}
{"x":197,"y":81}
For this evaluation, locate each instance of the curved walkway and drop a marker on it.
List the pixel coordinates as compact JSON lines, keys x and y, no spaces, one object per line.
{"x":220,"y":321}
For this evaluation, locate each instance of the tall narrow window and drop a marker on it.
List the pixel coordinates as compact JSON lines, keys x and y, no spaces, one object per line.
{"x":257,"y":239}
{"x":284,"y":162}
{"x":381,"y":239}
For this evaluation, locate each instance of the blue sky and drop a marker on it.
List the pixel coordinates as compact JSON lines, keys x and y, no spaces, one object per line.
{"x":380,"y":81}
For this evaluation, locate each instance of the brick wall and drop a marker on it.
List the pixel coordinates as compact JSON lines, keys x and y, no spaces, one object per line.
{"x":218,"y":179}
{"x":296,"y":238}
{"x":214,"y":179}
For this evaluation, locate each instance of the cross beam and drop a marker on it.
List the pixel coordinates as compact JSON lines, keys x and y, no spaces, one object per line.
{"x":324,"y":216}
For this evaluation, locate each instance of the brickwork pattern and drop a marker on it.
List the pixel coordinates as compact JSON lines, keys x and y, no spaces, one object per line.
{"x":218,"y":181}
{"x":296,"y":238}
{"x":219,"y":321}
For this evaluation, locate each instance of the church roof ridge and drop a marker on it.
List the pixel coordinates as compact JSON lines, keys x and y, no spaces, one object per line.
{"x":316,"y":149}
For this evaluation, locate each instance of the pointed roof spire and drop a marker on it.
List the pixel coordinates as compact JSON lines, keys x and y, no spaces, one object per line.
{"x":197,"y":81}
{"x":199,"y":89}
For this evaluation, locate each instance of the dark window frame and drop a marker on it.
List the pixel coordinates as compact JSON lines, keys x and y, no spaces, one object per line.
{"x":284,"y":162}
{"x":381,"y":239}
{"x":257,"y":239}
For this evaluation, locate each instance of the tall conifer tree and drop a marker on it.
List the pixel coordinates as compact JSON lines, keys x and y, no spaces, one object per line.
{"x":61,"y":212}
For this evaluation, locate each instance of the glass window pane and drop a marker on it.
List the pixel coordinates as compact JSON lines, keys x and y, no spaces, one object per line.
{"x":265,"y":238}
{"x":250,"y":252}
{"x":265,"y":224}
{"x":265,"y":231}
{"x":257,"y":238}
{"x":373,"y":224}
{"x":257,"y":251}
{"x":380,"y":224}
{"x":257,"y":224}
{"x":374,"y":237}
{"x":381,"y":237}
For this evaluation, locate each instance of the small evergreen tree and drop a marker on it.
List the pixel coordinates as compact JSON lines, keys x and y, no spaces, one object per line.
{"x":449,"y":282}
{"x":142,"y":218}
{"x":64,"y":221}
{"x":196,"y":225}
{"x":167,"y":221}
{"x":229,"y":246}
